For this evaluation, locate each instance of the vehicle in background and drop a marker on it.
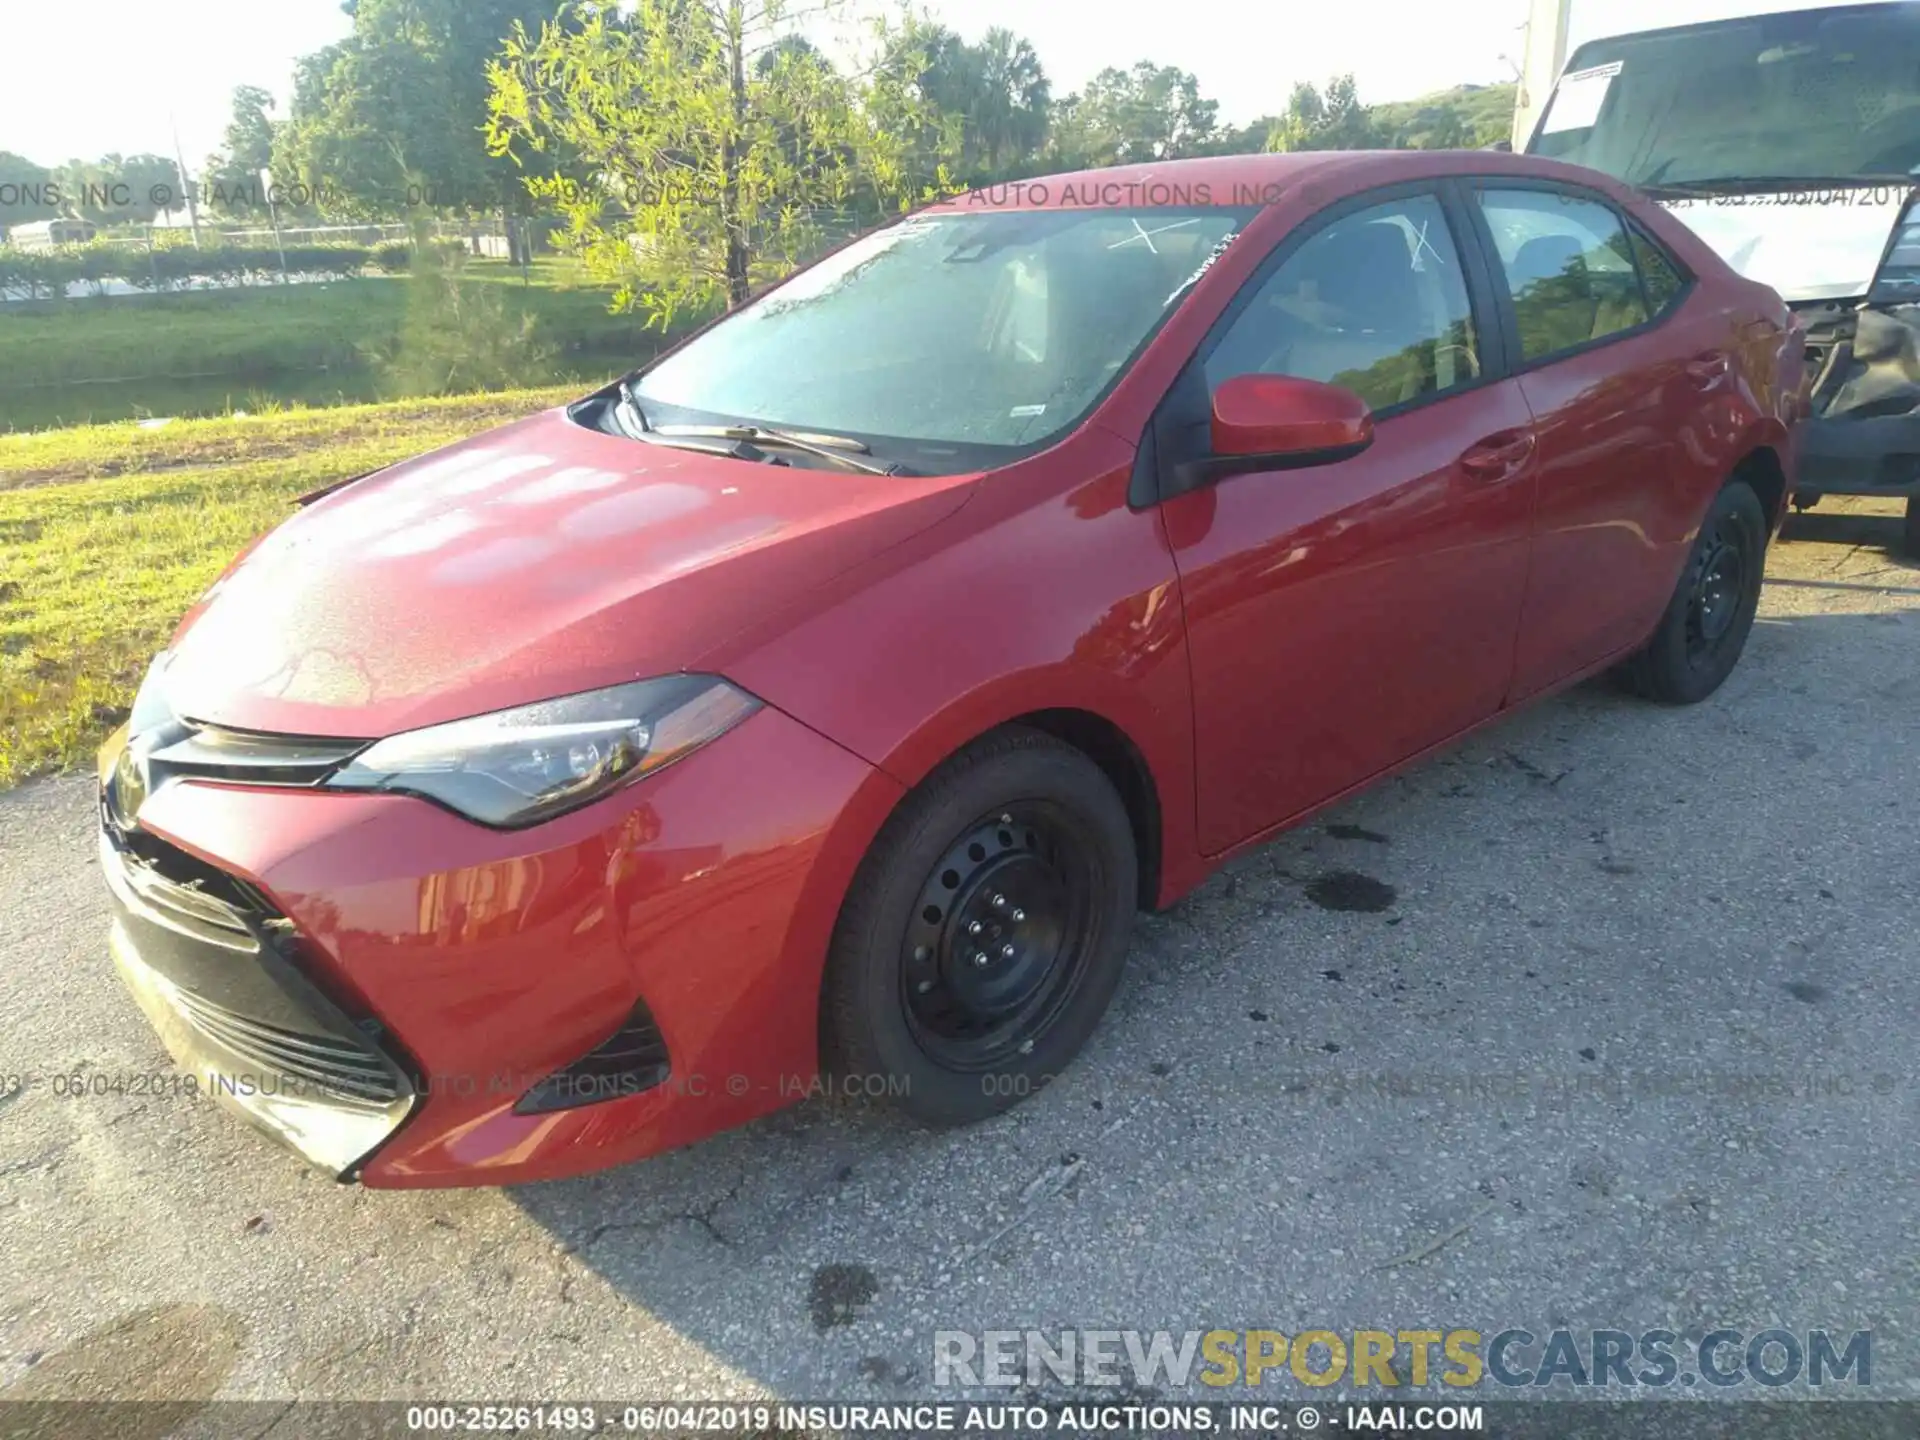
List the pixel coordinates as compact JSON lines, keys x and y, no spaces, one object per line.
{"x":1788,"y":140}
{"x":49,"y":234}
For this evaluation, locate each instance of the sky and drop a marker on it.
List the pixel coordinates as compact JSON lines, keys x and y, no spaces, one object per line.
{"x":140,"y":66}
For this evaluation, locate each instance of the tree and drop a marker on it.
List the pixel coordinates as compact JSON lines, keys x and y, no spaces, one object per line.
{"x":27,"y":191}
{"x":794,"y":49}
{"x":231,"y":179}
{"x":1467,"y":116}
{"x":394,"y":117}
{"x":995,"y":94}
{"x":1248,"y":139}
{"x":1333,"y":120}
{"x":699,"y":170}
{"x":120,"y":189}
{"x":1150,"y":112}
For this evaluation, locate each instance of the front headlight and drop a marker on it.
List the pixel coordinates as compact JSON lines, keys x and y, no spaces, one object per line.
{"x":150,"y":707}
{"x":518,"y":767}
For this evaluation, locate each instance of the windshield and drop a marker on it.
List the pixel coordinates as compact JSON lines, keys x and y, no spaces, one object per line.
{"x":1815,"y":95}
{"x":949,"y":342}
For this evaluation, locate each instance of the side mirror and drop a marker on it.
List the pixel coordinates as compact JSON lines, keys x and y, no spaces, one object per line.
{"x":1281,"y":422}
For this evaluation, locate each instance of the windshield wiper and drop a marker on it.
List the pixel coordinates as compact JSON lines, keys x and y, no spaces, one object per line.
{"x":839,"y":449}
{"x":728,"y":449}
{"x":749,"y":432}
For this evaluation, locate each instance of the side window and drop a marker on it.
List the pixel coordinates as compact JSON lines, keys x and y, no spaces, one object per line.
{"x":1374,"y":302}
{"x":1662,"y":278}
{"x":1569,"y":265}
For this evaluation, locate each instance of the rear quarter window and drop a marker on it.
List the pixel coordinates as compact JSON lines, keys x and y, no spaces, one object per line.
{"x":1659,"y":272}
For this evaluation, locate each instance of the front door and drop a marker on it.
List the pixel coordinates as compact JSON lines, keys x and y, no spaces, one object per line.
{"x":1343,"y":618}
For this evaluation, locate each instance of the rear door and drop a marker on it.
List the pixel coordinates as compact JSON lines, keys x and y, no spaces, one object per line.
{"x":1345,"y":617}
{"x":1622,"y":379}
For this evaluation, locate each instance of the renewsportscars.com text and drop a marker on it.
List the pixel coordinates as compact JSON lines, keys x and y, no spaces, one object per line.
{"x":1514,"y":1358}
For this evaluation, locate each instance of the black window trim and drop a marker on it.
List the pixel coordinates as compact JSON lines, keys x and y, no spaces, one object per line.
{"x":1475,"y":186}
{"x":1157,"y":479}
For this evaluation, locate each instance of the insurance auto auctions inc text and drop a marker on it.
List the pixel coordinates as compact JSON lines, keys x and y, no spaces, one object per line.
{"x":1515,"y":1359}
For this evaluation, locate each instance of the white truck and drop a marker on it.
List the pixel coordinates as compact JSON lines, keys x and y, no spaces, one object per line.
{"x":1788,"y":137}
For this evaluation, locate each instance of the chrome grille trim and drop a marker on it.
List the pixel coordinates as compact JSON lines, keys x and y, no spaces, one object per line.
{"x":211,"y":753}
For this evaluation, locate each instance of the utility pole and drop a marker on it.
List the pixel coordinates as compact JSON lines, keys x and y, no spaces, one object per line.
{"x":273,"y":213}
{"x":1546,"y":55}
{"x":186,"y":181}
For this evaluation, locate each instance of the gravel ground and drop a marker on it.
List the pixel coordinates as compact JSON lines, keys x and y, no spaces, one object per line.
{"x":1621,"y":1036}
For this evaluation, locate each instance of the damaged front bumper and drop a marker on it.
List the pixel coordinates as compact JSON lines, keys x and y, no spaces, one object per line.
{"x":1862,"y":436}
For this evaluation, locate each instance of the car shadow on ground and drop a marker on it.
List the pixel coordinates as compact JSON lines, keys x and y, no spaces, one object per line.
{"x":1383,"y":1068}
{"x":1852,"y":528}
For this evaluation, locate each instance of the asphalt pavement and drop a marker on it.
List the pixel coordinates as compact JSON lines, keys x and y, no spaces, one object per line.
{"x":1605,"y":1019}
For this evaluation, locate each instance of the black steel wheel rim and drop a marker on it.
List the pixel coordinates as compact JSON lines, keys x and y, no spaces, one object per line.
{"x":1717,"y":590}
{"x":1001,"y":936}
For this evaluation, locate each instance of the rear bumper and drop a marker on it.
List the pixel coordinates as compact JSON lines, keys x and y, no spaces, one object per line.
{"x":1876,"y":455}
{"x":481,"y":963}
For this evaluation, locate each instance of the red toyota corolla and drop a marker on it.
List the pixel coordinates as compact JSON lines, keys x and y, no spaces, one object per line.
{"x":825,"y":698}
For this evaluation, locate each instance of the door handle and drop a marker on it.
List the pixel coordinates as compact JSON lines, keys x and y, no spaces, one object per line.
{"x":1707,"y":371}
{"x":1499,"y":457}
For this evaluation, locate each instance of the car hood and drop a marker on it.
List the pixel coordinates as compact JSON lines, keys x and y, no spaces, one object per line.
{"x":538,"y":560}
{"x":1807,"y":246}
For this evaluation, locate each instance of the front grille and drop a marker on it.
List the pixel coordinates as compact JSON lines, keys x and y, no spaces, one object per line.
{"x":208,"y":752}
{"x":185,"y":750}
{"x":228,"y":960}
{"x":185,"y":900}
{"x":296,"y":1062}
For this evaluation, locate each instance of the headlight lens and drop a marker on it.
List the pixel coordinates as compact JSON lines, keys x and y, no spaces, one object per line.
{"x":150,"y":708}
{"x":519,"y":767}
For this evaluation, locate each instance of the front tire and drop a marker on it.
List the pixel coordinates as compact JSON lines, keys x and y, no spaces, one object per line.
{"x":984,"y":935}
{"x":1704,"y":630}
{"x":1910,"y":534}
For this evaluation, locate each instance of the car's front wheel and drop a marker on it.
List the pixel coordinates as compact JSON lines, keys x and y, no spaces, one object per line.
{"x":1706,"y":624}
{"x":1910,"y":536}
{"x":985,"y":933}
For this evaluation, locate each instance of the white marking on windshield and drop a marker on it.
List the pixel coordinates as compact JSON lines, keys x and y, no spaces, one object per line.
{"x":1421,"y":243}
{"x":1205,"y":265}
{"x":1144,"y":234}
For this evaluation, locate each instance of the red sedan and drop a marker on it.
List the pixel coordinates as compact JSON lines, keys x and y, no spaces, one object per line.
{"x":823,"y":700}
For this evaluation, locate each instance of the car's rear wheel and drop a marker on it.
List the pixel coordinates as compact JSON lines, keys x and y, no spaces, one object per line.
{"x":985,"y":933}
{"x":1704,"y":630}
{"x":1910,"y":537}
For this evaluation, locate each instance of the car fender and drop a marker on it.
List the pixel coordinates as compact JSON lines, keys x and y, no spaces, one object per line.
{"x":978,"y":625}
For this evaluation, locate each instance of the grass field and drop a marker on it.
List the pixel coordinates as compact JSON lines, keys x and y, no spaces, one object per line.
{"x":90,"y":361}
{"x":109,"y":532}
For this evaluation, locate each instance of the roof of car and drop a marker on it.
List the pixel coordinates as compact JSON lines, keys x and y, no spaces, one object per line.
{"x":1241,"y":180}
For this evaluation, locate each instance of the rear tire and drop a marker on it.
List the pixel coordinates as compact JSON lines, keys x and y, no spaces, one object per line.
{"x":1704,"y":630}
{"x":1910,"y":535}
{"x":1017,"y":850}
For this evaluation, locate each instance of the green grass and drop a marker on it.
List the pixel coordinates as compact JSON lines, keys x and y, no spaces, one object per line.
{"x":99,"y":359}
{"x":108,"y":534}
